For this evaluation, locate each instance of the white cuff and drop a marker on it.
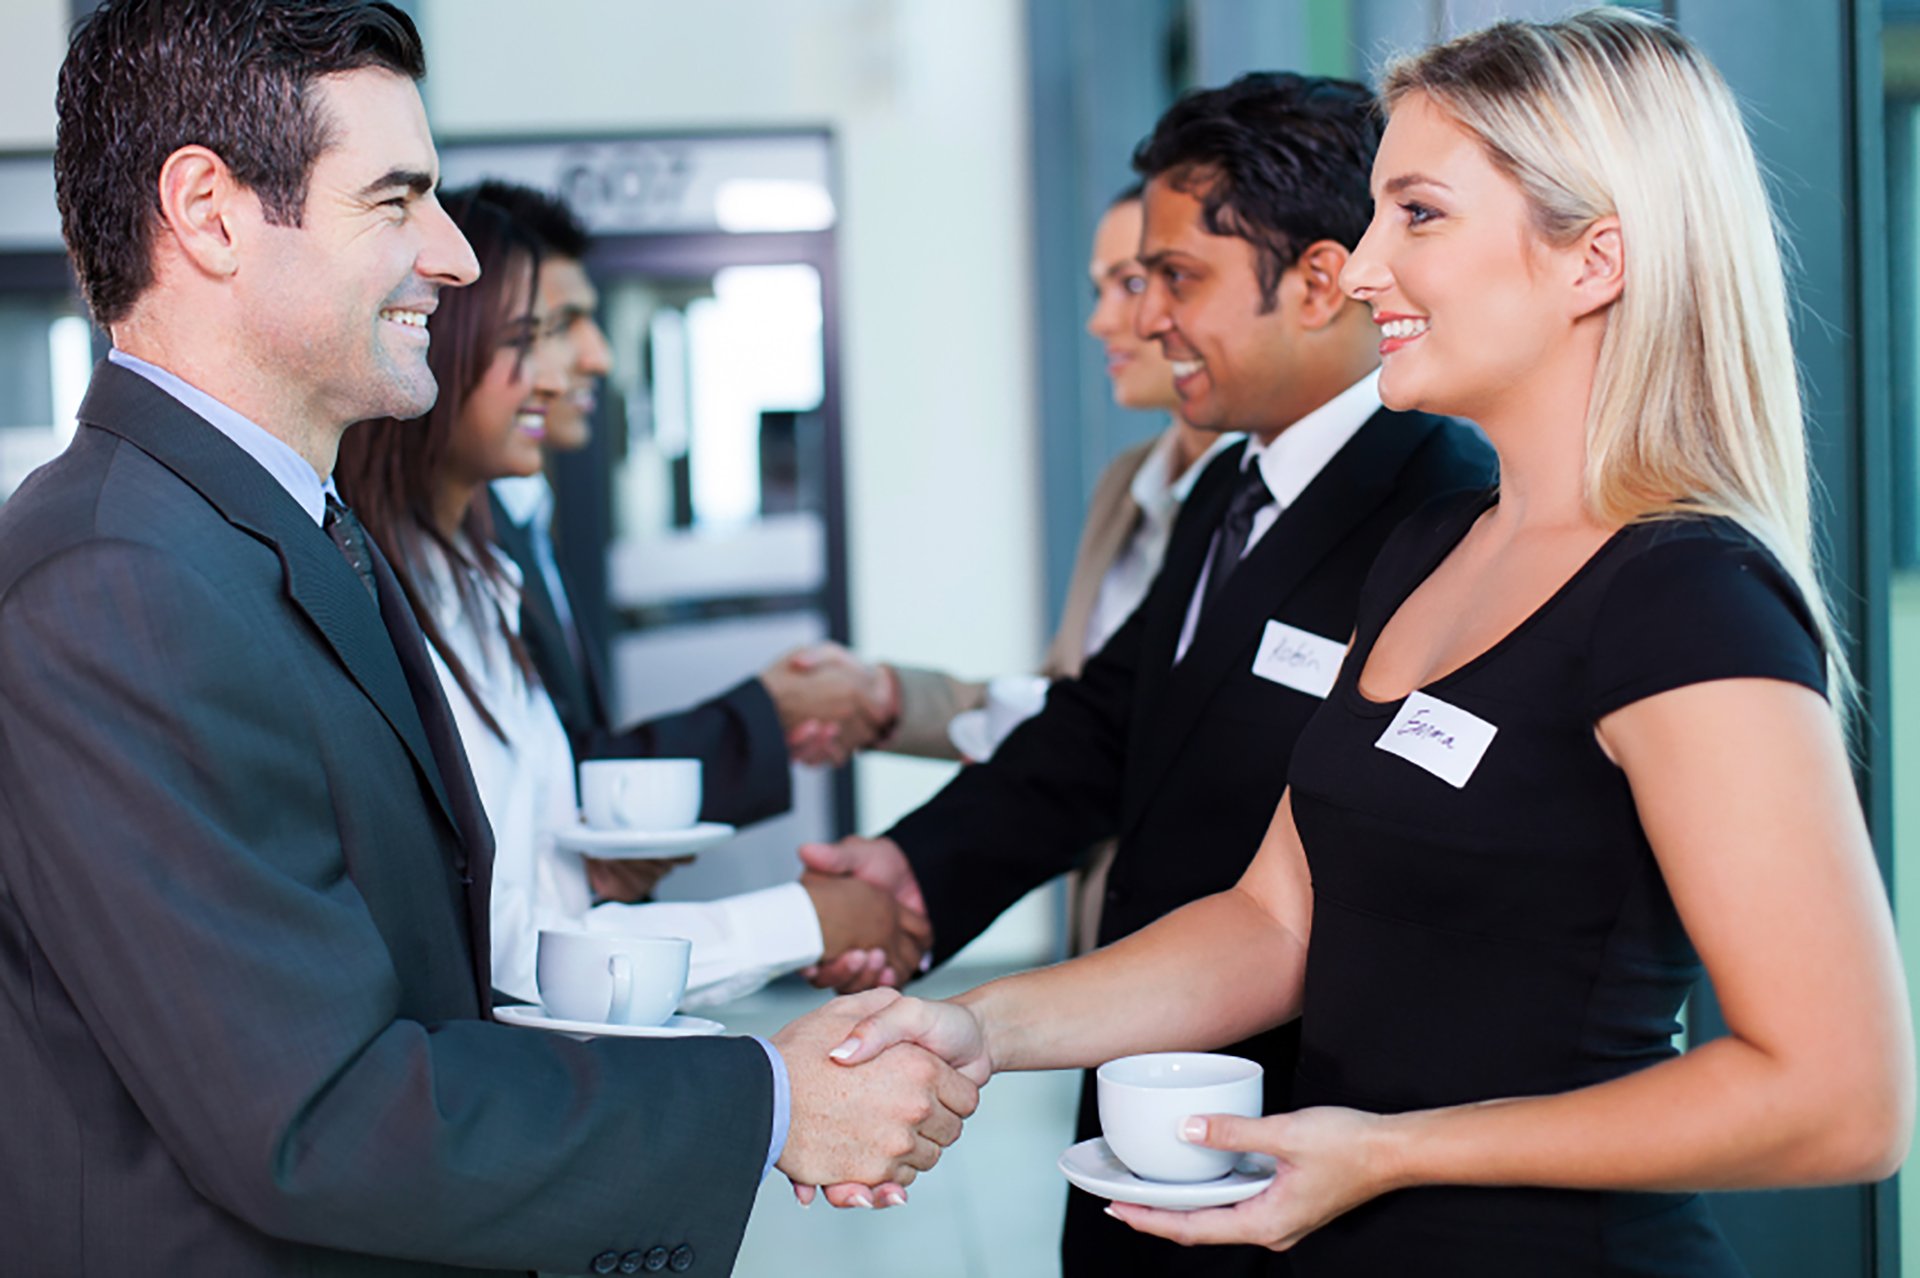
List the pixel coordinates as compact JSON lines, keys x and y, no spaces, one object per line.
{"x":739,"y":942}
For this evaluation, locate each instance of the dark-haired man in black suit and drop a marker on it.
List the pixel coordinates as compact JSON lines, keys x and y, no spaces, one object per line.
{"x":1176,"y":737}
{"x":244,"y":986}
{"x":817,"y":708}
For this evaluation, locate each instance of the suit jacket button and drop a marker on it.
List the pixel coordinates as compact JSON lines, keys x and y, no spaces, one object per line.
{"x":656,"y":1259}
{"x":606,"y":1262}
{"x":682,"y":1259}
{"x":633,"y":1262}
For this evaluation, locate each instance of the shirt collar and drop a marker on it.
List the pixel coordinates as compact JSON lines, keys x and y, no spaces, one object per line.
{"x":1300,"y":452}
{"x":275,"y":456}
{"x":1157,"y":498}
{"x":527,"y":499}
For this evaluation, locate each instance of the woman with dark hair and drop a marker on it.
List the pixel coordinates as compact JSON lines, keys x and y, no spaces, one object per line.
{"x":417,"y":486}
{"x":414,"y":484}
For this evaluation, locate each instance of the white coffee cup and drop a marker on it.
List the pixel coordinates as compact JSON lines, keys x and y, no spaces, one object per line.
{"x":612,"y":980}
{"x":1144,"y":1100}
{"x":1011,"y":701}
{"x":640,"y":794}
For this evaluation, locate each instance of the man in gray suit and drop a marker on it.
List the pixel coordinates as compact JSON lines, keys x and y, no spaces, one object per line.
{"x":243,"y":873}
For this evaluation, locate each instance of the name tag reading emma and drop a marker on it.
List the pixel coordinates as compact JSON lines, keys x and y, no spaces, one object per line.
{"x":1298,"y":659}
{"x":1443,"y":739}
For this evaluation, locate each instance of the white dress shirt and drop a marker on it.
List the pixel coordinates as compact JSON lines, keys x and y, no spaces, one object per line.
{"x":1288,"y":463}
{"x":525,"y":776}
{"x":1159,"y":495}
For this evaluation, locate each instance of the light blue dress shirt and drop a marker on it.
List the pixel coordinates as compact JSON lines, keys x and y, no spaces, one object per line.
{"x":277,"y":457}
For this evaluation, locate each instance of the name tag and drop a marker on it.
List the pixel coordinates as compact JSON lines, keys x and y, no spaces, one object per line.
{"x":1443,"y":739}
{"x":1298,"y":659}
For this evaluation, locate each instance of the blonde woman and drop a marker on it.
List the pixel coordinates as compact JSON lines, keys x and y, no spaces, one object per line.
{"x":1582,"y":743}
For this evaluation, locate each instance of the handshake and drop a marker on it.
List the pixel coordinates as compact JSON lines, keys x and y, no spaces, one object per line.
{"x":898,"y":1075}
{"x":831,"y":703}
{"x":880,"y":1085}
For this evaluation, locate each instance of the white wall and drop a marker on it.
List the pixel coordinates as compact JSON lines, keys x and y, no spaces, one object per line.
{"x":33,"y":40}
{"x":927,"y":102}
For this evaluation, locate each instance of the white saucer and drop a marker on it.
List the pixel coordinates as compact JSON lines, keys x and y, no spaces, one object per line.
{"x":1092,"y":1166}
{"x":970,"y":735}
{"x":633,"y":845}
{"x":536,"y":1018}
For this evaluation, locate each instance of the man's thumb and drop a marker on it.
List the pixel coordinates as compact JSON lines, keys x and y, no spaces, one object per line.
{"x":824,"y":858}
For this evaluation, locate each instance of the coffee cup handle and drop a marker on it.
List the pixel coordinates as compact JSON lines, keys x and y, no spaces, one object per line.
{"x":620,"y":967}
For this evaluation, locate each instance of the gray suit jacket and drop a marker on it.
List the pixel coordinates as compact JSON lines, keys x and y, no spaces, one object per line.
{"x":242,"y":921}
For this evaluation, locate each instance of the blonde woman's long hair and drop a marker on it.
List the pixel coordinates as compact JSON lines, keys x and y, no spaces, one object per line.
{"x":1696,"y":400}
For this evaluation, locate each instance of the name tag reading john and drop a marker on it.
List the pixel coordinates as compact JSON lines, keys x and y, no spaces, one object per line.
{"x":1298,"y":659}
{"x":1445,"y":740}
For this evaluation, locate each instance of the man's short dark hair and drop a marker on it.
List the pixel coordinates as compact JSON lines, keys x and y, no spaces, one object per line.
{"x":143,"y":78}
{"x":1278,"y":159}
{"x":546,"y":217}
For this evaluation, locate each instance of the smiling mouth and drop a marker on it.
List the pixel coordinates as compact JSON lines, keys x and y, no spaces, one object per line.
{"x":406,"y":319}
{"x":1185,"y":368}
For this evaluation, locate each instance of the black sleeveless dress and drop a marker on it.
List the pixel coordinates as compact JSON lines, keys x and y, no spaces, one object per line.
{"x":1512,"y":935}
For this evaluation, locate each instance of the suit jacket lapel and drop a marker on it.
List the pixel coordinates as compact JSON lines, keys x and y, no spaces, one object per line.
{"x":319,"y":581}
{"x":592,"y":673}
{"x":1345,"y":492}
{"x":1172,"y":592}
{"x":571,"y":685}
{"x":475,"y":862}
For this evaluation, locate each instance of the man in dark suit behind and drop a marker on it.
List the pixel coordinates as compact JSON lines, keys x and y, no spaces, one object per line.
{"x":243,"y":871}
{"x":1176,"y":737}
{"x":820,"y":698}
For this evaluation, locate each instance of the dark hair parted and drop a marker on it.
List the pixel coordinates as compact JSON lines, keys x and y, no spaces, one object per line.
{"x":143,"y":78}
{"x":558,"y":228}
{"x":390,"y":470}
{"x":1278,"y":159}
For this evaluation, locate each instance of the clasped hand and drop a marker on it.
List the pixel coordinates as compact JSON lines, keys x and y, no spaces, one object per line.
{"x":897,"y":1076}
{"x":866,"y":1122}
{"x":830,"y":702}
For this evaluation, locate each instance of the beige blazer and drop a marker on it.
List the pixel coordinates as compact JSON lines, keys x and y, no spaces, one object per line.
{"x":930,"y":698}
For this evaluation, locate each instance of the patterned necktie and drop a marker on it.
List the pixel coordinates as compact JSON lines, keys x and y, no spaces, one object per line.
{"x":350,"y":535}
{"x":1231,"y":541}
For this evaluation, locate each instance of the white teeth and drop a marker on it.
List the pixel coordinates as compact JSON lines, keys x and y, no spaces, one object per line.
{"x":1186,"y":367}
{"x":1403,"y":328}
{"x":532,"y":423}
{"x":413,"y":319}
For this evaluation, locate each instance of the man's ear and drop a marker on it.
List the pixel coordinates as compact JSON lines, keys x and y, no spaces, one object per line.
{"x":1321,"y":299}
{"x":1602,"y":267}
{"x":198,"y":195}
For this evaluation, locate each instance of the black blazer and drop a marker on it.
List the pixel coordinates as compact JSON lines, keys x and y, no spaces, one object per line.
{"x":1185,"y":764}
{"x":243,"y":886}
{"x":737,"y":736}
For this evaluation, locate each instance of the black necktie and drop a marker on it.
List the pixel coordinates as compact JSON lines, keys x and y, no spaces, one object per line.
{"x":1231,"y":541}
{"x":351,"y":536}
